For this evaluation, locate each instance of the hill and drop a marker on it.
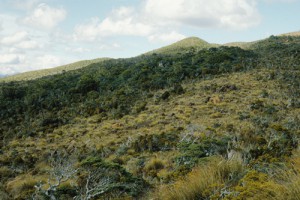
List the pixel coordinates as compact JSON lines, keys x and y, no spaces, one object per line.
{"x":293,"y":34}
{"x":48,"y":72}
{"x":183,"y":46}
{"x":252,"y":45}
{"x":213,"y":123}
{"x":243,"y":45}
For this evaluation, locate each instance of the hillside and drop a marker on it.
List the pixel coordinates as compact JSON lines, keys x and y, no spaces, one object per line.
{"x":210,"y":123}
{"x":252,"y":45}
{"x":51,"y":71}
{"x":243,"y":45}
{"x":183,"y":46}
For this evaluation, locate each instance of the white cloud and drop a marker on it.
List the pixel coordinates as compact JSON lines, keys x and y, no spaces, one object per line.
{"x":30,"y":44}
{"x":1,"y":26}
{"x":18,"y":63}
{"x":280,"y":1}
{"x":48,"y":61}
{"x":157,"y":16}
{"x":78,"y":50}
{"x":88,"y":31}
{"x":232,"y":14}
{"x":166,"y":37}
{"x":126,"y":26}
{"x":19,"y":40}
{"x":109,"y":46}
{"x":45,"y":17}
{"x":7,"y":71}
{"x":9,"y":24}
{"x":123,"y":12}
{"x":122,"y":22}
{"x":24,"y":4}
{"x":16,"y":50}
{"x":14,"y":38}
{"x":10,"y":59}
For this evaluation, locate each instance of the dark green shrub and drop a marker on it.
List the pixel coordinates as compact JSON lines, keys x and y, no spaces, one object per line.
{"x":178,"y":89}
{"x":87,"y":84}
{"x":257,"y":105}
{"x":165,"y":95}
{"x":155,"y":142}
{"x":192,"y":151}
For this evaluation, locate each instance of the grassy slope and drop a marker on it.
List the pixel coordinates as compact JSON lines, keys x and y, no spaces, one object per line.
{"x":47,"y":72}
{"x":251,"y":45}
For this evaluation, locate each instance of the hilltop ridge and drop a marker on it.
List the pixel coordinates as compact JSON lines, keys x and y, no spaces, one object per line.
{"x":296,"y":33}
{"x":51,"y":71}
{"x":181,"y":46}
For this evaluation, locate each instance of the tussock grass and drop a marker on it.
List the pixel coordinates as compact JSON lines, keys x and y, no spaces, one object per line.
{"x":291,"y":178}
{"x":203,"y":182}
{"x":21,"y":186}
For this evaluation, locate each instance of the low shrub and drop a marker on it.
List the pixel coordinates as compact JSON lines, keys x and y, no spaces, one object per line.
{"x":256,"y":185}
{"x":192,"y":151}
{"x":155,"y":142}
{"x":153,"y":167}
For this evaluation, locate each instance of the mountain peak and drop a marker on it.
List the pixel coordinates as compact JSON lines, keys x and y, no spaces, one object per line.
{"x":191,"y":41}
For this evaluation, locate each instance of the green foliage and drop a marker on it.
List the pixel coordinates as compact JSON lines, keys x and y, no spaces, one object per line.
{"x":110,"y":87}
{"x":155,"y":142}
{"x":192,"y":151}
{"x":66,"y":191}
{"x":165,"y":95}
{"x":86,"y":84}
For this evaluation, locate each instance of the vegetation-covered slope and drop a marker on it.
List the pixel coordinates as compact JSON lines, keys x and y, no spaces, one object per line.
{"x":133,"y":128}
{"x":48,"y":72}
{"x":183,"y":46}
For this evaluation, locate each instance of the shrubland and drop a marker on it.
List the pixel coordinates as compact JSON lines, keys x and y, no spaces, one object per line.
{"x":212,"y":123}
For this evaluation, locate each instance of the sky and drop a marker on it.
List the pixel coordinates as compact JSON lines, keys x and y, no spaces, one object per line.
{"x":39,"y":34}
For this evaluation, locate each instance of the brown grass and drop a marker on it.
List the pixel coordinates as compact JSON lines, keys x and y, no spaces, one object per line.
{"x":203,"y":182}
{"x":292,"y":178}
